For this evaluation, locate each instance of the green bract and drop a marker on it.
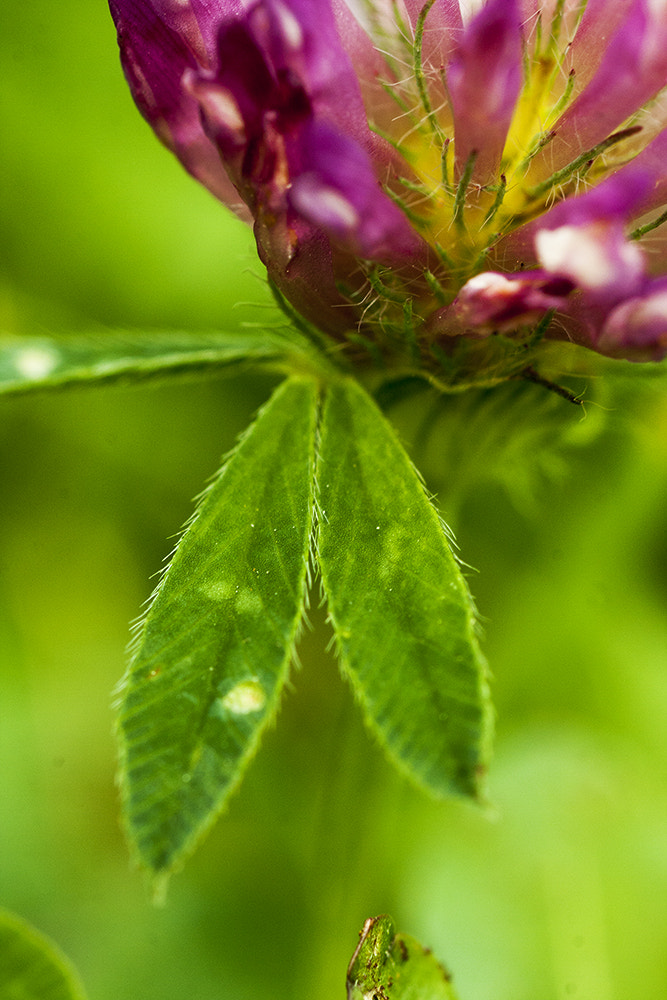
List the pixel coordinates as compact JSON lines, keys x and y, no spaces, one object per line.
{"x":31,"y":967}
{"x":400,"y":609}
{"x":391,"y":966}
{"x":213,"y":653}
{"x":319,"y":481}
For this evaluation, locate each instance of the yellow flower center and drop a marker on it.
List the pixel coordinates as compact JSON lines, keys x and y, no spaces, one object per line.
{"x":463,"y":220}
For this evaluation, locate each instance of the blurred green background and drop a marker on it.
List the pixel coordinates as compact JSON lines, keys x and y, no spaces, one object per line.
{"x":559,"y":890}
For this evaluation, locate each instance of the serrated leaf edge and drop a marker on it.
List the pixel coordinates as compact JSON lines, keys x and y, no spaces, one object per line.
{"x":159,"y":878}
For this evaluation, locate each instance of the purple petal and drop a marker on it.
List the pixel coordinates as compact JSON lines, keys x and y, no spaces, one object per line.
{"x":492,"y":301}
{"x":583,"y":239}
{"x":442,"y":29}
{"x":633,"y":69}
{"x":368,"y":33}
{"x":300,"y":39}
{"x":159,"y":41}
{"x":637,"y":328}
{"x":178,"y":16}
{"x":652,"y":162}
{"x":484,"y":79}
{"x":236,"y":97}
{"x":210,"y":14}
{"x":584,"y":41}
{"x":337,"y":189}
{"x":597,"y":258}
{"x":284,"y":109}
{"x":619,"y":198}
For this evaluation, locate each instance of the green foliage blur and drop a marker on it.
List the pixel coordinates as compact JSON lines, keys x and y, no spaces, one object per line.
{"x":559,"y":889}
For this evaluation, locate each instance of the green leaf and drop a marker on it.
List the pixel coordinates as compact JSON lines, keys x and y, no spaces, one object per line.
{"x":390,"y":966}
{"x":31,"y":967}
{"x":30,"y":363}
{"x":214,"y":651}
{"x":401,"y":612}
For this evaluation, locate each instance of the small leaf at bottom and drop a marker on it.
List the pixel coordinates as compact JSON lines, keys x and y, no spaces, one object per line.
{"x":31,"y":967}
{"x":400,"y":609}
{"x":390,"y":966}
{"x":214,"y":650}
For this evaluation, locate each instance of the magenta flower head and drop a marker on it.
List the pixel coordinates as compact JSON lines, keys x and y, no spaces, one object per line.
{"x":438,"y":186}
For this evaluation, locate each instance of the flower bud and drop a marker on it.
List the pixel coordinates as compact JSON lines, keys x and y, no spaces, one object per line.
{"x":420,"y":180}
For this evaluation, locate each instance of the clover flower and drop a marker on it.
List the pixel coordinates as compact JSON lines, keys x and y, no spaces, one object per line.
{"x":435,"y":186}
